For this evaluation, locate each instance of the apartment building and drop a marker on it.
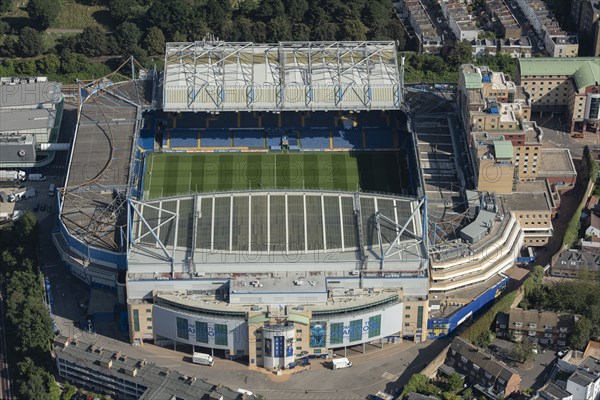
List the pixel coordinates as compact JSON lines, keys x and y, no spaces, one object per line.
{"x":557,"y":43}
{"x":533,"y":212}
{"x":482,"y":371}
{"x":586,"y":15}
{"x":504,"y":19}
{"x":459,"y":20}
{"x":414,"y":14}
{"x":544,"y":327}
{"x":117,"y":374}
{"x":570,"y":85}
{"x":573,"y":263}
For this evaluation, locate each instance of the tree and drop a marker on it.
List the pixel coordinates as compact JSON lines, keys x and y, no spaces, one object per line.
{"x":325,"y":31}
{"x":26,"y":226}
{"x":128,"y":36}
{"x":523,"y":351}
{"x":455,"y":383}
{"x":30,"y":42}
{"x":296,"y":9}
{"x":170,"y":16}
{"x":580,"y":336}
{"x":460,"y":54}
{"x":92,"y":41}
{"x":280,"y":29}
{"x":49,"y":64}
{"x":68,"y":391}
{"x":124,"y":10}
{"x":43,"y":12}
{"x":6,"y":5}
{"x":155,"y":41}
{"x":419,"y":383}
{"x":467,"y":394}
{"x":354,"y":29}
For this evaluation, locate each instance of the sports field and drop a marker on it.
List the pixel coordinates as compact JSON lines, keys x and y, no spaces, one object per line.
{"x":169,"y":174}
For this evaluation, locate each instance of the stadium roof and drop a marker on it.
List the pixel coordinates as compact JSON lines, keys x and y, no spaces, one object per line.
{"x":270,"y":228}
{"x":238,"y":76}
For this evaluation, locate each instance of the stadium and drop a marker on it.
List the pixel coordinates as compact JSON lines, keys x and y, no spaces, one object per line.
{"x":261,"y":201}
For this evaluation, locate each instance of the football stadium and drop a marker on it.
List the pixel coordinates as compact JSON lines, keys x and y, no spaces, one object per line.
{"x":258,"y":201}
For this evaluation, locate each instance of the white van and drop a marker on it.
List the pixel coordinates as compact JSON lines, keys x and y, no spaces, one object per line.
{"x":341,"y":363}
{"x":51,"y":190}
{"x":203,"y":359}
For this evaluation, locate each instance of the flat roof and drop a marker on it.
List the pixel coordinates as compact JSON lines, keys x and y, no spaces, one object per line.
{"x":503,"y":149}
{"x":29,"y":94}
{"x":159,"y":382}
{"x":210,"y":76}
{"x":26,"y":119}
{"x":556,"y":162}
{"x":481,"y":224}
{"x":526,"y":202}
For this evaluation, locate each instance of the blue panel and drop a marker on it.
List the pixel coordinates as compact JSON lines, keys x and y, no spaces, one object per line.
{"x":347,"y":138}
{"x":184,"y":138}
{"x":278,"y":345}
{"x":215,"y":138}
{"x":440,"y":327}
{"x":273,"y":141}
{"x":248,"y":138}
{"x":315,"y":138}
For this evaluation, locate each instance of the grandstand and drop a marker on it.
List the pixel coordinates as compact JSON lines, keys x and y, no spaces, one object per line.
{"x":288,"y":164}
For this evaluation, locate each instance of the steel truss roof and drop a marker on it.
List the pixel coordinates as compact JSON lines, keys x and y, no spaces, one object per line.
{"x":238,"y":76}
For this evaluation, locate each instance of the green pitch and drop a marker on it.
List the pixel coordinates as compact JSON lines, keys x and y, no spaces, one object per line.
{"x":169,"y":174}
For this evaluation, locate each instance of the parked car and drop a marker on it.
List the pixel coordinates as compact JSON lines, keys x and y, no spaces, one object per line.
{"x":439,"y":20}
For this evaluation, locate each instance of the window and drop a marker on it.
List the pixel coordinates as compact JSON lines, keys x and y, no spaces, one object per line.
{"x":149,"y":327}
{"x":374,"y":326}
{"x":148,"y":310}
{"x":420,"y":317}
{"x":336,"y":333}
{"x":201,"y":332}
{"x":356,"y":330}
{"x":298,"y":347}
{"x":149,"y":319}
{"x":406,"y":316}
{"x":298,"y":339}
{"x":407,"y":308}
{"x":488,"y":375}
{"x":298,"y":330}
{"x":182,"y":328}
{"x":476,"y":367}
{"x":136,"y":320}
{"x":220,"y":335}
{"x":463,"y":359}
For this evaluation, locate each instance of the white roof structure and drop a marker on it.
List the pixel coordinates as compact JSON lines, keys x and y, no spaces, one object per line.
{"x":213,"y":76}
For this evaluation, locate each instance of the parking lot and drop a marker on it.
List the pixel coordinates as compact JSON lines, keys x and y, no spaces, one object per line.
{"x":533,"y":375}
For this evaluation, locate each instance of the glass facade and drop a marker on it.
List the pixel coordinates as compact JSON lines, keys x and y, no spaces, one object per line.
{"x":201,"y":332}
{"x":420,"y":317}
{"x":183,"y":329}
{"x":355,"y":330}
{"x":220,"y":335}
{"x":374,"y":326}
{"x":136,"y":320}
{"x":336,"y":333}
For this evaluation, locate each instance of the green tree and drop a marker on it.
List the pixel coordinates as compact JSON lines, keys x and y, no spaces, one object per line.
{"x":68,"y":391}
{"x":6,"y":5}
{"x":280,"y":29}
{"x":523,"y":351}
{"x":43,"y":12}
{"x":71,"y":62}
{"x":259,"y":31}
{"x":325,"y":31}
{"x":460,"y":54}
{"x":170,"y":16}
{"x":455,"y":383}
{"x":125,"y":10}
{"x":419,"y":383}
{"x":353,"y":29}
{"x":128,"y":36}
{"x":580,"y":336}
{"x":92,"y":41}
{"x":48,"y":64}
{"x":467,"y":394}
{"x":30,"y":42}
{"x":155,"y":41}
{"x":296,"y":9}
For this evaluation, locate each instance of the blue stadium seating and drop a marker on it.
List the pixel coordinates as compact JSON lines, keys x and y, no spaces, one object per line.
{"x":379,"y":138}
{"x":273,"y":140}
{"x":347,"y":138}
{"x":249,"y":138}
{"x":183,"y":138}
{"x":215,"y":138}
{"x":315,"y":138}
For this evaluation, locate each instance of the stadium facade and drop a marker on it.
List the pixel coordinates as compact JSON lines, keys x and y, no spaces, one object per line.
{"x":256,"y":201}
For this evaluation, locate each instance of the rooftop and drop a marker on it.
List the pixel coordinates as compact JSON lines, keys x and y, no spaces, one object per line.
{"x":565,"y":66}
{"x":28,"y":92}
{"x":26,"y":120}
{"x":483,"y":359}
{"x":556,"y":162}
{"x":503,"y":149}
{"x":244,"y":76}
{"x":541,"y":319}
{"x":527,"y":202}
{"x":159,"y":382}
